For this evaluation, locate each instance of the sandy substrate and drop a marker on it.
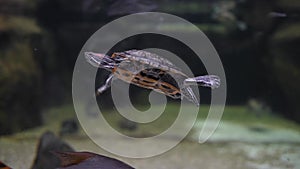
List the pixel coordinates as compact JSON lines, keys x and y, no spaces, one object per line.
{"x":232,"y":146}
{"x":225,"y":150}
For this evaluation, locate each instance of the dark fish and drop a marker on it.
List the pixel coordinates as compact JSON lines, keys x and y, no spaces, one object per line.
{"x":124,"y":7}
{"x":47,"y":144}
{"x":4,"y":166}
{"x":87,"y":160}
{"x":278,"y":14}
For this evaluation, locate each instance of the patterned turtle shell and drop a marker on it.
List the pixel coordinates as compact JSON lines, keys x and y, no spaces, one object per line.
{"x":150,"y":71}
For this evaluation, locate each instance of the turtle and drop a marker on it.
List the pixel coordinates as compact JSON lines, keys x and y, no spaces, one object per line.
{"x":150,"y":71}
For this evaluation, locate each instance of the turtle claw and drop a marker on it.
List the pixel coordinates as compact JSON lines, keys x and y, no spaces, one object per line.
{"x":211,"y":81}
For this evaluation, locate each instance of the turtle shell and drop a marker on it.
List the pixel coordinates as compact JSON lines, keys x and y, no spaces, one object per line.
{"x":151,"y":71}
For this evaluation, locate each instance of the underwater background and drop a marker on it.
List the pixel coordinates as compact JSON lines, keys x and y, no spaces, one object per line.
{"x":258,"y":44}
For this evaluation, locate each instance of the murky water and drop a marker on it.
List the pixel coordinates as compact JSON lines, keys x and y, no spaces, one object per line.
{"x":256,"y":41}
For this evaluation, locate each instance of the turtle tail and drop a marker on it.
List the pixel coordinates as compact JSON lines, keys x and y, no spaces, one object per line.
{"x":211,"y":81}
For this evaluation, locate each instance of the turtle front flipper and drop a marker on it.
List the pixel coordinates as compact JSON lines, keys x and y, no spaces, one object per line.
{"x":211,"y":81}
{"x":106,"y":85}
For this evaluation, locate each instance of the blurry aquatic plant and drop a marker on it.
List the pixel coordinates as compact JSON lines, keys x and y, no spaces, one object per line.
{"x":284,"y":67}
{"x":19,"y":25}
{"x":124,"y":7}
{"x":258,"y":107}
{"x":182,"y":7}
{"x":19,"y":82}
{"x":19,"y":75}
{"x":222,"y":11}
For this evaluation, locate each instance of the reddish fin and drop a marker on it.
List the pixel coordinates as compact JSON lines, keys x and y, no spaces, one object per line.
{"x":3,"y":166}
{"x":72,"y":158}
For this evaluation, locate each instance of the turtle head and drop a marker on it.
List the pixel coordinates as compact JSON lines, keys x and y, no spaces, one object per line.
{"x":100,"y":60}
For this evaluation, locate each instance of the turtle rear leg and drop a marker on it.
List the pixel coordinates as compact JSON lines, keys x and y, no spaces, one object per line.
{"x":188,"y":93}
{"x":211,"y":81}
{"x":106,"y":85}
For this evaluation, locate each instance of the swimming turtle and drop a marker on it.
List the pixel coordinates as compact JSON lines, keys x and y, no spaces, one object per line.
{"x":150,"y":71}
